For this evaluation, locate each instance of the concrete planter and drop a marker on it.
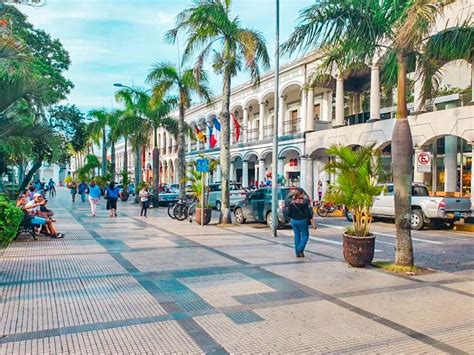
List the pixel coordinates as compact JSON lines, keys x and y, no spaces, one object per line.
{"x":358,"y":252}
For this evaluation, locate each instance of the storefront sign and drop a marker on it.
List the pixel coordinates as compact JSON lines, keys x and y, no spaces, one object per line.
{"x":423,"y":162}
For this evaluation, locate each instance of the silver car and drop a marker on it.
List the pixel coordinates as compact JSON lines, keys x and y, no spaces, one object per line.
{"x":236,"y":194}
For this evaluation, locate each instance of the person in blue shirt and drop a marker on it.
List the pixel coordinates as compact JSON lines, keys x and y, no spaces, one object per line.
{"x":82,"y":189}
{"x":94,"y":196}
{"x":112,"y":195}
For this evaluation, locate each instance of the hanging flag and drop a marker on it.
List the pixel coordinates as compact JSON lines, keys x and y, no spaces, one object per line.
{"x":201,"y":136}
{"x":237,"y":127}
{"x":216,"y":123}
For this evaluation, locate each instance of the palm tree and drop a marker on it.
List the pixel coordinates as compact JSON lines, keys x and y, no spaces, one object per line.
{"x":402,"y":30}
{"x":98,"y":130}
{"x":166,"y":78}
{"x":115,"y":133}
{"x":209,"y":26}
{"x":136,"y":102}
{"x":159,"y":115}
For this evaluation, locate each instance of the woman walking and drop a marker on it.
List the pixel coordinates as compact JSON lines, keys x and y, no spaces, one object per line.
{"x":144,"y":200}
{"x":301,"y":215}
{"x":73,"y":188}
{"x":94,"y":196}
{"x":112,"y":195}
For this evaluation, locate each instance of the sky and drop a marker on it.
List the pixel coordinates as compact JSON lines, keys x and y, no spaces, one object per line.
{"x":112,"y":41}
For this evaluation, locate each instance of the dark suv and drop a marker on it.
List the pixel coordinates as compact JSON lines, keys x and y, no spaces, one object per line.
{"x":258,"y":205}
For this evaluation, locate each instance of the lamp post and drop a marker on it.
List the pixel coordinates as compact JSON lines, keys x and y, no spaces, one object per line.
{"x":275,"y":124}
{"x":155,"y":158}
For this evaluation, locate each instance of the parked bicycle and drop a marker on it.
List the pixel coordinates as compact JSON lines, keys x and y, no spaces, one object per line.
{"x":183,"y":209}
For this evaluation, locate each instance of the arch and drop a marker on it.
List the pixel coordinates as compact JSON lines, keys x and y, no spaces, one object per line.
{"x":234,"y":156}
{"x":318,"y":153}
{"x":291,"y":83}
{"x":249,"y":154}
{"x":280,"y":155}
{"x":264,"y":154}
{"x":431,"y":140}
{"x":265,"y":94}
{"x":249,"y":100}
{"x":235,"y":105}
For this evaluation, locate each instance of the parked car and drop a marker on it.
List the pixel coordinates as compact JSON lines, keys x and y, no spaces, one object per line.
{"x":167,"y":198}
{"x":425,"y":209}
{"x":236,"y":194}
{"x":257,"y":206}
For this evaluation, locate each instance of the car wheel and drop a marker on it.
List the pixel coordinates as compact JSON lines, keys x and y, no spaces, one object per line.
{"x":417,"y":220}
{"x":349,"y":216}
{"x":218,"y":205}
{"x":239,"y":215}
{"x":269,"y":220}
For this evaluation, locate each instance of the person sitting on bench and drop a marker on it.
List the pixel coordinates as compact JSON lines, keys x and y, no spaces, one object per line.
{"x":31,"y":209}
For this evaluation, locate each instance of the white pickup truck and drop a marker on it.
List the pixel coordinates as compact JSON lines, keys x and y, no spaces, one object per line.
{"x":425,"y":209}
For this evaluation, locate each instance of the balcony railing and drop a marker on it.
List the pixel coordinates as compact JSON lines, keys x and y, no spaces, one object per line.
{"x":291,"y":126}
{"x":252,"y":134}
{"x":267,"y":131}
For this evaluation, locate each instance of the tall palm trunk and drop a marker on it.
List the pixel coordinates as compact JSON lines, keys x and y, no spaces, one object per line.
{"x":156,"y":168}
{"x":104,"y":153}
{"x":225,"y":216}
{"x":138,"y":165}
{"x":181,"y":158}
{"x":112,"y":160}
{"x":125,"y":155}
{"x":402,"y":163}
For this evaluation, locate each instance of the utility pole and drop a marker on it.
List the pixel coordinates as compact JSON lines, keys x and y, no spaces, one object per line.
{"x":275,"y":124}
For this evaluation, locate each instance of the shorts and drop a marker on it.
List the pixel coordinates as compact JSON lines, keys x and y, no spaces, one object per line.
{"x":38,"y":220}
{"x":111,"y":203}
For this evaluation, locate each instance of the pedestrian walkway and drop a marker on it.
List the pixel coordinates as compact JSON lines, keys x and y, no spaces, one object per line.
{"x":134,"y":285}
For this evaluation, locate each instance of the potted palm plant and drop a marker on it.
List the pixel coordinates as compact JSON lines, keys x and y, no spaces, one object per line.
{"x":125,"y":181}
{"x":195,"y":178}
{"x":357,"y":174}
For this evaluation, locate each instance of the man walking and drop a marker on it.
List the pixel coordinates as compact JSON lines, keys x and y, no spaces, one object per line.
{"x":82,"y":189}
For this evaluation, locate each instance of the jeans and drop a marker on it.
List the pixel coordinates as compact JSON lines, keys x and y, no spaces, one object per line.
{"x":93,"y":202}
{"x":83,"y":196}
{"x":301,"y":231}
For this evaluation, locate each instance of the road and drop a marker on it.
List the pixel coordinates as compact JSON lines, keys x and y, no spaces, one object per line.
{"x":444,"y":250}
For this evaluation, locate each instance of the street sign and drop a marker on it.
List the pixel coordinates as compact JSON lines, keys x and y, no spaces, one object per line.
{"x":202,"y":165}
{"x":423,"y":162}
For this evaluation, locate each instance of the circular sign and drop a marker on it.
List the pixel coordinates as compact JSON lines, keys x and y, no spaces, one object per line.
{"x":424,"y":158}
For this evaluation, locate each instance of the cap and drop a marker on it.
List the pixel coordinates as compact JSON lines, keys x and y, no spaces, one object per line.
{"x":36,"y":195}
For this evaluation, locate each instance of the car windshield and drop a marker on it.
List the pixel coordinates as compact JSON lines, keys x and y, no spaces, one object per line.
{"x":419,"y":191}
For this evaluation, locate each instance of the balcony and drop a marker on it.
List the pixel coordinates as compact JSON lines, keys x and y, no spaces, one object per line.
{"x":268,"y":131}
{"x":252,"y":134}
{"x":291,"y":126}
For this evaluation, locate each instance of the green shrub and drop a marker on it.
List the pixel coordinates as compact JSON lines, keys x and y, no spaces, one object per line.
{"x":10,"y":219}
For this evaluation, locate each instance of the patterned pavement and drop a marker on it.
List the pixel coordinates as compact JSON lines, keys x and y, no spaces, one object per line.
{"x":133,"y":285}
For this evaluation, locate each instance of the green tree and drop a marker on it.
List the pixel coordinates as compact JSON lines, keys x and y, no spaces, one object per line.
{"x":210,"y":28}
{"x":403,"y":31}
{"x":98,"y":130}
{"x":166,"y":79}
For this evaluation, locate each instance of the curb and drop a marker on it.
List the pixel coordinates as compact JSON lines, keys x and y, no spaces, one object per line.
{"x":464,"y":227}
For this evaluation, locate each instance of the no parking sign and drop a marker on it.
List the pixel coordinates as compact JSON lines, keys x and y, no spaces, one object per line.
{"x":423,"y":162}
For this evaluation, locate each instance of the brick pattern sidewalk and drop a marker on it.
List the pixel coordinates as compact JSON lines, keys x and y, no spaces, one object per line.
{"x":133,"y":285}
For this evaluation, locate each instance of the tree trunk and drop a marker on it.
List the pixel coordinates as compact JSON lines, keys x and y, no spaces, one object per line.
{"x":156,"y":169}
{"x":30,"y":174}
{"x":112,"y":160}
{"x":225,"y":216}
{"x":21,"y":172}
{"x":181,"y":158}
{"x":125,"y":155}
{"x":104,"y":153}
{"x":402,"y":164}
{"x":138,"y":166}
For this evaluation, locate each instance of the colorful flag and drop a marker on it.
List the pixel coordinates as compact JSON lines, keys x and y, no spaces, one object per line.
{"x":216,"y":123}
{"x":201,"y":136}
{"x":237,"y":127}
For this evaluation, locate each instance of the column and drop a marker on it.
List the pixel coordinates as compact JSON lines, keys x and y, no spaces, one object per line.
{"x":310,"y":111}
{"x":261,"y":171}
{"x":309,"y":179}
{"x":303,"y":107}
{"x":339,"y":102}
{"x":417,"y":90}
{"x":281,"y":167}
{"x":472,"y":176}
{"x":245,"y":173}
{"x":417,"y":176}
{"x":375,"y":93}
{"x":324,"y":110}
{"x":232,"y":172}
{"x":329,"y":98}
{"x":316,"y":170}
{"x":281,"y":116}
{"x":245,"y":125}
{"x":450,"y":163}
{"x":261,"y":120}
{"x":303,"y":172}
{"x":218,"y":173}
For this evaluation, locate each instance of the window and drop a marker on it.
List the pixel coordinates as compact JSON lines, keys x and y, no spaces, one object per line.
{"x":257,"y":195}
{"x":388,"y":190}
{"x":419,"y":191}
